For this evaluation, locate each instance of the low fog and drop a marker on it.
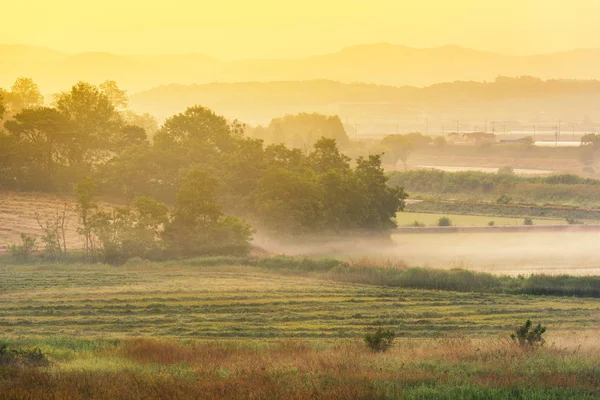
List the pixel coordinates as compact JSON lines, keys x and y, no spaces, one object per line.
{"x":503,"y":253}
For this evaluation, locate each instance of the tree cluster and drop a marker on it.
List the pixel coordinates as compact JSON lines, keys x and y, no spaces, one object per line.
{"x":48,"y":148}
{"x":199,"y":164}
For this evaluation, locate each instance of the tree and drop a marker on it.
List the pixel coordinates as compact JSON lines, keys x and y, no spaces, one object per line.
{"x":93,"y":120}
{"x":45,"y":131}
{"x":303,"y":130}
{"x":290,"y":203}
{"x":399,"y":147}
{"x":130,"y":135}
{"x":117,"y":97}
{"x":198,"y":225}
{"x":592,"y":140}
{"x":145,"y":120}
{"x":24,"y":94}
{"x":383,"y":202}
{"x":198,"y":128}
{"x":85,"y":191}
{"x":325,"y":156}
{"x":2,"y":106}
{"x":54,"y":237}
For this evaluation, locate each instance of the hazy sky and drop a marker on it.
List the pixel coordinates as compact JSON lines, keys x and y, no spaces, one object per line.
{"x":230,"y":29}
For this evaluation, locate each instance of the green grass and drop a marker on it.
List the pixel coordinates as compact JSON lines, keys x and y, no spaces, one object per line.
{"x":431,"y":219}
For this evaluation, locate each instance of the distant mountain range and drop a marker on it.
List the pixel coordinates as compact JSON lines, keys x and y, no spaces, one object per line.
{"x":512,"y":103}
{"x":384,"y":64}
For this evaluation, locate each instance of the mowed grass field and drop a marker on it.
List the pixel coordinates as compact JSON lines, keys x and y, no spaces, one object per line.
{"x":179,"y":331}
{"x":200,"y":302}
{"x":408,"y":218}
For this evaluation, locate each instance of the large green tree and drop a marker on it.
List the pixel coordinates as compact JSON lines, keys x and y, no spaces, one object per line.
{"x":43,"y":132}
{"x":94,"y":122}
{"x":199,"y":226}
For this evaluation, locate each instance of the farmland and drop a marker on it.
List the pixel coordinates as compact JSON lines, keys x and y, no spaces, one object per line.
{"x":247,"y":331}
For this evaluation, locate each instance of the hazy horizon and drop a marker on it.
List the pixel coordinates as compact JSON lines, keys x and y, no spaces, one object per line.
{"x":232,"y":29}
{"x":300,"y":56}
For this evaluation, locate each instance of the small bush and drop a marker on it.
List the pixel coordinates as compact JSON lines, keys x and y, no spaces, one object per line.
{"x":418,"y":224}
{"x":504,"y":199}
{"x":573,"y":221}
{"x":527,"y":221}
{"x":22,"y":252}
{"x":444,"y":221}
{"x":21,"y":356}
{"x":506,"y":170}
{"x":381,"y":340}
{"x":527,"y":337}
{"x":491,"y":223}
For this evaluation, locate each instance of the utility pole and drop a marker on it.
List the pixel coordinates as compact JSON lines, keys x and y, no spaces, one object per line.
{"x":559,"y":121}
{"x":494,"y":127}
{"x":485,"y":126}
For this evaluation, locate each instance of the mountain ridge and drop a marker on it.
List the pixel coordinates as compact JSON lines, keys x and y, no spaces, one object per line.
{"x":378,"y":63}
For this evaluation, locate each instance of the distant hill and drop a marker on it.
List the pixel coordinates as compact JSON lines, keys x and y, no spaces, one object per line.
{"x":514,"y":103}
{"x":372,"y":63}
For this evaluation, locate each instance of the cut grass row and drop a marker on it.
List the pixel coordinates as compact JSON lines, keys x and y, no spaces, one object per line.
{"x":308,"y":299}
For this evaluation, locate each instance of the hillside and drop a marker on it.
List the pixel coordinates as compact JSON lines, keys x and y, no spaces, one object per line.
{"x":375,"y":63}
{"x":18,"y":215}
{"x":518,"y":103}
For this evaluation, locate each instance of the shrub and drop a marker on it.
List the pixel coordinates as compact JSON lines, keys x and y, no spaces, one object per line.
{"x":506,"y":170}
{"x":573,"y":221}
{"x":21,"y":356}
{"x":23,"y":251}
{"x":381,"y":340}
{"x":504,"y":199}
{"x":491,"y":223}
{"x":527,"y":337}
{"x":444,"y":221}
{"x":418,"y":224}
{"x":527,"y":221}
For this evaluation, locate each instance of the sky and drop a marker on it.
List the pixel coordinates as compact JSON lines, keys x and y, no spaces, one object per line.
{"x":240,"y":29}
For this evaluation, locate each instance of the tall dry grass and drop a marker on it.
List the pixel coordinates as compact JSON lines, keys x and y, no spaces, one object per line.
{"x":301,"y":370}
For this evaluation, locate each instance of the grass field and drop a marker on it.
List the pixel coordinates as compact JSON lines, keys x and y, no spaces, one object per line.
{"x":235,"y":301}
{"x":408,"y":218}
{"x":248,"y":332}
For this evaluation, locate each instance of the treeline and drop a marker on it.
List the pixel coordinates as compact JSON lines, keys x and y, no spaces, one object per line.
{"x":436,"y":181}
{"x":503,"y":187}
{"x":198,"y":163}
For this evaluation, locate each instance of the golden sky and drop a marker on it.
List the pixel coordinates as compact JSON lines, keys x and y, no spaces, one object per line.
{"x":232,"y":29}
